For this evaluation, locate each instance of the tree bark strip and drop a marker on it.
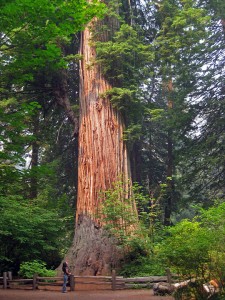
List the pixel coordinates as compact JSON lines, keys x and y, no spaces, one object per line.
{"x":103,"y":157}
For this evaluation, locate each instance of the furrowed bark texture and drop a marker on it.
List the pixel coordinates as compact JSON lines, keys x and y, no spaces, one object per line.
{"x":103,"y":157}
{"x":102,"y":152}
{"x":93,"y":252}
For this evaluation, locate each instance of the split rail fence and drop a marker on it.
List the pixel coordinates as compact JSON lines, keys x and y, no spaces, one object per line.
{"x":82,"y":282}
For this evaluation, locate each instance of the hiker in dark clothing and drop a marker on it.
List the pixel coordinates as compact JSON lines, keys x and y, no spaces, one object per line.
{"x":66,"y":273}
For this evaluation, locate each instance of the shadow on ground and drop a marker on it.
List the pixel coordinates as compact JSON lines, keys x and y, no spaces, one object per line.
{"x":80,"y":295}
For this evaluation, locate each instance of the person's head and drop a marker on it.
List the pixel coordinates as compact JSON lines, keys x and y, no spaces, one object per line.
{"x":65,"y":264}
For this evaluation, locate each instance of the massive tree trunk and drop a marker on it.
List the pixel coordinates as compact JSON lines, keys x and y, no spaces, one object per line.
{"x":169,"y":172}
{"x":103,"y":157}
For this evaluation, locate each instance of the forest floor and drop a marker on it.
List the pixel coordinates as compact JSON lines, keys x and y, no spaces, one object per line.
{"x":80,"y":295}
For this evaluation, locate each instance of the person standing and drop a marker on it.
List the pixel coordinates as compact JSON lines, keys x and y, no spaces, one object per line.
{"x":66,"y":273}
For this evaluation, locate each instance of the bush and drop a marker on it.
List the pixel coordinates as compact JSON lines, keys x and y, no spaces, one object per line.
{"x":142,"y":266}
{"x":17,"y":236}
{"x":28,"y":269}
{"x":195,"y":249}
{"x":186,"y":250}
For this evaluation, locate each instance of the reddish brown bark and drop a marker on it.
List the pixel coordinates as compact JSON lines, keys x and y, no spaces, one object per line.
{"x":103,"y":154}
{"x":169,"y":172}
{"x":103,"y":157}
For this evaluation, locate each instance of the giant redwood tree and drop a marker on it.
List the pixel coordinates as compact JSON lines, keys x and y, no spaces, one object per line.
{"x":103,"y":156}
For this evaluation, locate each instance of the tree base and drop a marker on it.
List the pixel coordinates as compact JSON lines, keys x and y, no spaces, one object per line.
{"x":93,"y":252}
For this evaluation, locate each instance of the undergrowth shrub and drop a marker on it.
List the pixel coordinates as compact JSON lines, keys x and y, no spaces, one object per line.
{"x":142,"y":266}
{"x":29,"y":268}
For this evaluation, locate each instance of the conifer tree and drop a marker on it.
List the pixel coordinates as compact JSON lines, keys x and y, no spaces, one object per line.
{"x":108,"y":83}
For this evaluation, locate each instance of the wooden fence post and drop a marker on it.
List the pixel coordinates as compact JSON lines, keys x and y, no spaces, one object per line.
{"x":72,"y":283}
{"x":113,"y":280}
{"x":35,"y":283}
{"x":169,"y":276}
{"x":9,"y":275}
{"x":5,"y":280}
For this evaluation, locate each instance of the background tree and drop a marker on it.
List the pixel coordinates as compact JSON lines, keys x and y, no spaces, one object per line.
{"x":205,"y":166}
{"x":179,"y":57}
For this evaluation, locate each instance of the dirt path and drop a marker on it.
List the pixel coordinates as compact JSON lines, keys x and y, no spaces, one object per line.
{"x":80,"y":295}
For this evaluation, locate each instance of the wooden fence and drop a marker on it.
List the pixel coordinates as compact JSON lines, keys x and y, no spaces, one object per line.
{"x":82,"y":282}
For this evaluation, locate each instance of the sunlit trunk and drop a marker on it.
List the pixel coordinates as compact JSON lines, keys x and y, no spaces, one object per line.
{"x":103,"y":157}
